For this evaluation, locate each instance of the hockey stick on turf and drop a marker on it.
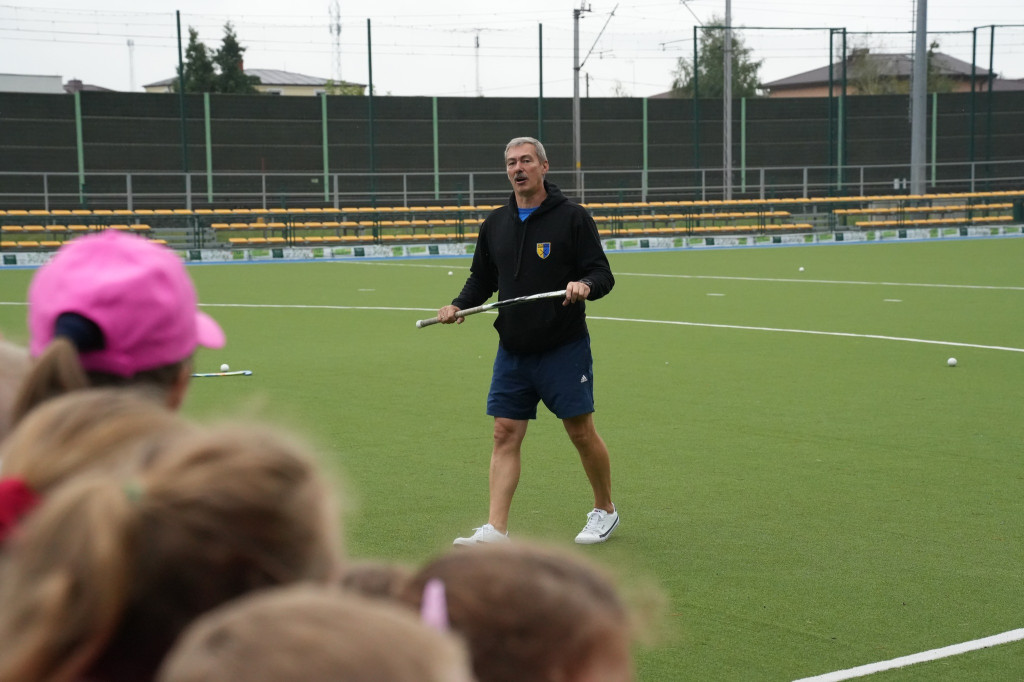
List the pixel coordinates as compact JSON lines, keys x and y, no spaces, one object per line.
{"x":239,"y":373}
{"x":497,"y":304}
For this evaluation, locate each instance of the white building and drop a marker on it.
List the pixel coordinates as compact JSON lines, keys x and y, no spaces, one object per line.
{"x":22,"y":82}
{"x":273,"y":82}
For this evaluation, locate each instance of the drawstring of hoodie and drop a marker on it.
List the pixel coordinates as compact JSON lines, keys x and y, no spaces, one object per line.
{"x":522,"y":245}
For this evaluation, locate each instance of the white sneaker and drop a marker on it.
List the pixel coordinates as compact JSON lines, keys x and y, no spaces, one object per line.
{"x":600,"y":525}
{"x":485,"y":533}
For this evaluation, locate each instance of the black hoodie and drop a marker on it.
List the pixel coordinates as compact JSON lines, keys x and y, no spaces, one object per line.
{"x":556,"y":245}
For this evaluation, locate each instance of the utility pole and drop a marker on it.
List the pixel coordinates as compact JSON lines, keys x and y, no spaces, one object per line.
{"x":181,"y":106}
{"x":479,"y":92}
{"x":540,"y":81}
{"x":131,"y":65}
{"x":919,"y":101}
{"x":576,"y":152}
{"x":727,"y":105}
{"x":335,"y":29}
{"x":576,"y":86}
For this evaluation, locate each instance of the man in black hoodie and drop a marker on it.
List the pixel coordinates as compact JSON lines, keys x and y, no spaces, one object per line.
{"x":541,"y":241}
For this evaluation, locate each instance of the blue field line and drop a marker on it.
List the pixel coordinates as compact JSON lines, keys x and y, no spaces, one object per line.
{"x":692,"y":249}
{"x":860,"y":242}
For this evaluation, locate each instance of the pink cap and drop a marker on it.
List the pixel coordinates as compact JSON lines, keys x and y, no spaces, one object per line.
{"x":137,"y":292}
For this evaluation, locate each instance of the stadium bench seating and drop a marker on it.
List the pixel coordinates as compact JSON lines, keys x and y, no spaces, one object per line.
{"x":36,"y":228}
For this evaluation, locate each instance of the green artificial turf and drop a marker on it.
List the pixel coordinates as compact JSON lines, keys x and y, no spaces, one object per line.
{"x":805,"y":502}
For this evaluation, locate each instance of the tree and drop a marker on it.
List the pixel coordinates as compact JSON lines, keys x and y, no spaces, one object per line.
{"x":711,"y":66}
{"x":875,"y":74}
{"x":199,"y":73}
{"x":872,"y":74}
{"x":333,"y":87}
{"x":937,"y":81}
{"x":620,"y":90}
{"x":231,"y":76}
{"x":207,"y":70}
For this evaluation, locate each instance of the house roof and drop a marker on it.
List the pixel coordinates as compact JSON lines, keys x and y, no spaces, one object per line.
{"x":156,"y":84}
{"x":268,"y":77}
{"x":1004,"y":84}
{"x":277,"y":77}
{"x":75,"y":85}
{"x":893,"y":65}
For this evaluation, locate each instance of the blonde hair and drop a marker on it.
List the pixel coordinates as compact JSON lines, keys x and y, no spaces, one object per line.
{"x":59,"y":370}
{"x":14,"y":366}
{"x":527,"y":612}
{"x":103,"y":576}
{"x":102,"y":429}
{"x":311,"y":634}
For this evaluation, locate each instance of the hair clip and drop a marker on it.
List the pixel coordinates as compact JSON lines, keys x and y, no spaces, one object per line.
{"x":16,"y":500}
{"x":434,"y":609}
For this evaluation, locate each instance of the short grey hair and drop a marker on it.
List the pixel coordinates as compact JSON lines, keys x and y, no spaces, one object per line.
{"x":516,"y":141}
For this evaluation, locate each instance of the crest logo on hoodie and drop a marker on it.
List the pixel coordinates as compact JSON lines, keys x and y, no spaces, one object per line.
{"x":544,"y":249}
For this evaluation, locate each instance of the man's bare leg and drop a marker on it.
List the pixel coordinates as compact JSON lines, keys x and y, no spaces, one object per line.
{"x":594,"y":457}
{"x":505,"y":468}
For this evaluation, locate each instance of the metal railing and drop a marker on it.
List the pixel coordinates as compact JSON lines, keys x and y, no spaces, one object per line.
{"x":294,"y":190}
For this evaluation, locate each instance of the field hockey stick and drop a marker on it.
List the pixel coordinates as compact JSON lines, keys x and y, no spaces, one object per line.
{"x":497,"y":304}
{"x":238,"y":373}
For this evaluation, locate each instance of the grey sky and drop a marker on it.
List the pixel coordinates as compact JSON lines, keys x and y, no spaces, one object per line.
{"x":431,"y":48}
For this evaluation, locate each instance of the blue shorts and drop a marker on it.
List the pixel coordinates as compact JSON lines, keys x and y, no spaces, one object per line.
{"x":562,"y":377}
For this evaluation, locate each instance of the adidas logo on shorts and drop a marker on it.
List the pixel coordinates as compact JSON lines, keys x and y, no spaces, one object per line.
{"x":583,"y":379}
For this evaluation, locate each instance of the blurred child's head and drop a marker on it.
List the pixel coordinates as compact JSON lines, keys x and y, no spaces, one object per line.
{"x":531,"y":613}
{"x":102,"y":577}
{"x":314,"y":634}
{"x":98,"y":430}
{"x":14,"y":366}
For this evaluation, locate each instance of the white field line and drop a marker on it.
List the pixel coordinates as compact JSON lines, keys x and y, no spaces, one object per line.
{"x":297,"y":306}
{"x":671,"y":322}
{"x":783,"y":330}
{"x":802,"y":280}
{"x":879,"y":337}
{"x":798,"y":280}
{"x":932,"y":655}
